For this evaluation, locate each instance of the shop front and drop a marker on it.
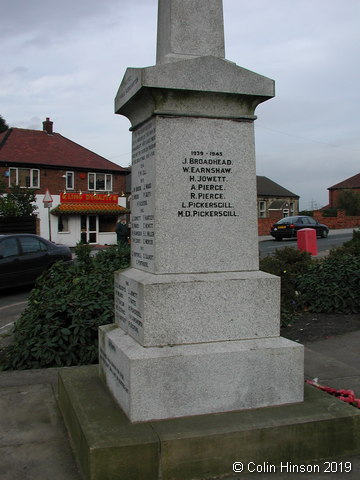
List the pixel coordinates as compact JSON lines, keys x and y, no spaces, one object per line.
{"x":87,"y":217}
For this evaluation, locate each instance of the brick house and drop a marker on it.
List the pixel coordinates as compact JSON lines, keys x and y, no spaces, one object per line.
{"x":352,"y":183}
{"x":87,"y":191}
{"x":274,"y":200}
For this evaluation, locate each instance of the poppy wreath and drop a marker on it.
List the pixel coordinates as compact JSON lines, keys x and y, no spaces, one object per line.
{"x":347,"y":396}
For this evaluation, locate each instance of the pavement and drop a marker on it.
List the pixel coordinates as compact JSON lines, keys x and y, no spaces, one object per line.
{"x":34,"y":444}
{"x":337,"y":231}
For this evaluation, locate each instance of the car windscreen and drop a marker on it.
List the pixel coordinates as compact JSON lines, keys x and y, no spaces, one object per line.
{"x":286,"y":220}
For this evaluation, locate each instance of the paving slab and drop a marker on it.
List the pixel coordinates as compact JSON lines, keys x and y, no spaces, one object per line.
{"x":326,"y":368}
{"x":51,"y":460}
{"x":344,"y":348}
{"x":33,"y":441}
{"x":13,"y":378}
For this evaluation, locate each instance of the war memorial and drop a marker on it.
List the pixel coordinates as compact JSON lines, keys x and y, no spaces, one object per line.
{"x":194,"y":375}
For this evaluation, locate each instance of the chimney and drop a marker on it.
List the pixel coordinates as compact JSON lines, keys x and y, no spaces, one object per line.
{"x":48,"y":126}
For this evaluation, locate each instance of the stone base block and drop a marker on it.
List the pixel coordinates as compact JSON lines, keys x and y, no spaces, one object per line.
{"x":109,"y":447}
{"x":170,"y":309}
{"x":157,"y":383}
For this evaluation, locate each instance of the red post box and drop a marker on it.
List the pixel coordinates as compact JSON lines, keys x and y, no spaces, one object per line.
{"x":306,"y":240}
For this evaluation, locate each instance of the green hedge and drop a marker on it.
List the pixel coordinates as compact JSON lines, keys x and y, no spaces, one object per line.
{"x":60,"y":324}
{"x":69,"y":302}
{"x":287,"y":263}
{"x":331,"y":285}
{"x":326,"y":285}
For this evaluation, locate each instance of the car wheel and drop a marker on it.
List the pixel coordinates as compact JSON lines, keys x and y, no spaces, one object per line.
{"x":324,"y":234}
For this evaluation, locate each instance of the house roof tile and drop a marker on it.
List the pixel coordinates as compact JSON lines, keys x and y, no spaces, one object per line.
{"x":352,"y":182}
{"x":278,"y":205}
{"x":22,"y":146}
{"x":266,"y":187}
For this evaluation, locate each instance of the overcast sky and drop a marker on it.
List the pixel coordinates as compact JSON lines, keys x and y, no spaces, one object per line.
{"x":65,"y":60}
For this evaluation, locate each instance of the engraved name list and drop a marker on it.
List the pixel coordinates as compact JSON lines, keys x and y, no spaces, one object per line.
{"x":142,"y":206}
{"x":208,"y":175}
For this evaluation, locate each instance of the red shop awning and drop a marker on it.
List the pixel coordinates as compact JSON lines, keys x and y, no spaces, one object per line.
{"x":88,"y":209}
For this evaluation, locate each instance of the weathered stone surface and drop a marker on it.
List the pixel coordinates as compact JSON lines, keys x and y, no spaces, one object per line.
{"x":242,"y":89}
{"x":194,"y":196}
{"x":167,"y":382}
{"x":160,"y":310}
{"x":189,"y":28}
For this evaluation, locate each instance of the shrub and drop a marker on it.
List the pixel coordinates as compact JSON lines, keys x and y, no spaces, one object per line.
{"x":287,"y":263}
{"x":83,"y":253}
{"x":18,"y":202}
{"x":331,"y":285}
{"x":352,"y":247}
{"x":330,"y":212}
{"x":69,"y":302}
{"x":349,"y":200}
{"x":308,"y":213}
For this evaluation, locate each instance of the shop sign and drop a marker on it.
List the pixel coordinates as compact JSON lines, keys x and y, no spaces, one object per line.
{"x":102,"y":198}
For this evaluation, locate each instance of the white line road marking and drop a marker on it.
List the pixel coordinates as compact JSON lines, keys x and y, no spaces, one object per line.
{"x":7,"y":325}
{"x":13,"y":305}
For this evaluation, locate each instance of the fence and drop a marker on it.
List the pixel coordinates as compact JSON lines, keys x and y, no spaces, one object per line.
{"x":18,"y":225}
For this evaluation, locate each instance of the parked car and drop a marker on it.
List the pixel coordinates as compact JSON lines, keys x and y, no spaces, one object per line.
{"x":23,"y":257}
{"x":289,"y":226}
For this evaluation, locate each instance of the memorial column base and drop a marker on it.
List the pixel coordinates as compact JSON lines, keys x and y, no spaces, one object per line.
{"x":174,"y":309}
{"x":153,"y":383}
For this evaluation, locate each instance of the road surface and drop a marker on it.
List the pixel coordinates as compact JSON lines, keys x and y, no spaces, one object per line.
{"x":335,"y":239}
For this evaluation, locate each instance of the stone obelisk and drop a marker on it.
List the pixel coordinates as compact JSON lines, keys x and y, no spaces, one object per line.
{"x":197,"y":324}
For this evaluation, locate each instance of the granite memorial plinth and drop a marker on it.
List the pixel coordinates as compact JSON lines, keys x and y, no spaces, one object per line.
{"x":197,"y":324}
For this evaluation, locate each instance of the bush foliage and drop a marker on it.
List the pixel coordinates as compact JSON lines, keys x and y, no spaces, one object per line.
{"x":69,"y":302}
{"x":327,"y":285}
{"x":18,"y":202}
{"x":287,"y":263}
{"x":330,"y":212}
{"x":349,"y":200}
{"x":331,"y":285}
{"x":352,"y":247}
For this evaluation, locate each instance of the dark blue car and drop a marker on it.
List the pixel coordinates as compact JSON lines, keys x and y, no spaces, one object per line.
{"x":289,"y":226}
{"x":23,"y":257}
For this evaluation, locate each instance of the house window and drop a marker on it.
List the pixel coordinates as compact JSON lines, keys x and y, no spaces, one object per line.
{"x":100,"y":182}
{"x":262,"y":209}
{"x":63,"y":223}
{"x":25,"y":177}
{"x":69,"y":180}
{"x":292,"y":210}
{"x":107,"y":223}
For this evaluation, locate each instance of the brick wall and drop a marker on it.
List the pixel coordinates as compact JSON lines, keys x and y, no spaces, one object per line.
{"x":341,"y":221}
{"x":265,"y":224}
{"x":54,"y":181}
